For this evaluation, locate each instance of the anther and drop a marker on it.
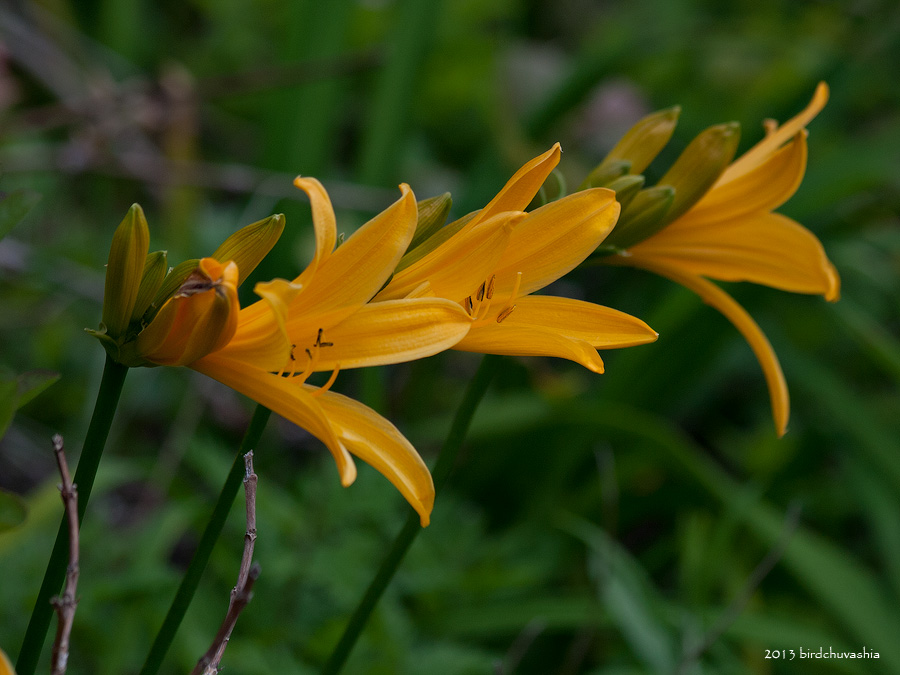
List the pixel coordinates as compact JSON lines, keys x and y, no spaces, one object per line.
{"x":505,"y":313}
{"x":319,"y":342}
{"x":467,"y":305}
{"x":490,"y":288}
{"x":480,"y":293}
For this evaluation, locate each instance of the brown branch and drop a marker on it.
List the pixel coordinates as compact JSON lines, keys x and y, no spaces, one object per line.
{"x":243,"y":590}
{"x":66,"y":603}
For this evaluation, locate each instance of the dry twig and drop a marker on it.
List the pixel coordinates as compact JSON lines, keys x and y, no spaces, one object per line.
{"x":243,"y":590}
{"x":66,"y":603}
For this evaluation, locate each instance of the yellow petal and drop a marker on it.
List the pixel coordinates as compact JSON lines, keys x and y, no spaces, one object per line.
{"x":261,"y":338}
{"x":763,"y":188}
{"x":375,"y":440}
{"x":776,"y":137}
{"x":456,"y":268}
{"x":523,"y":186}
{"x":527,"y":340}
{"x":200,"y":318}
{"x":359,"y":267}
{"x":555,"y":239}
{"x":601,"y":327}
{"x":285,"y":396}
{"x":737,"y":315}
{"x":393,"y":331}
{"x":324,"y":224}
{"x":765,"y":248}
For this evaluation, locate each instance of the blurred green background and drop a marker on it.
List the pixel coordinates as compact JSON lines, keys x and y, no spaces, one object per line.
{"x":642,"y":521}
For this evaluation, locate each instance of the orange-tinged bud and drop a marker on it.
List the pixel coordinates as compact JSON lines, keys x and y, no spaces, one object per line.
{"x":199,"y":319}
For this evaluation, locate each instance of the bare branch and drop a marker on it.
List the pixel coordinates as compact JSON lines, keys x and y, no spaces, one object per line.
{"x":66,"y":603}
{"x":243,"y":590}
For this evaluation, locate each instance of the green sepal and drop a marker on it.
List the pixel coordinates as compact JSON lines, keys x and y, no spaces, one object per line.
{"x":124,"y":270}
{"x":645,"y":216}
{"x":642,"y":143}
{"x":248,"y":246}
{"x":433,"y":214}
{"x":110,"y":345}
{"x":700,"y":165}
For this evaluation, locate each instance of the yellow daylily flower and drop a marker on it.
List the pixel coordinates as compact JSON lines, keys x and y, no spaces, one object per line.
{"x":500,"y":255}
{"x":321,"y":320}
{"x":732,"y":234}
{"x":6,"y":668}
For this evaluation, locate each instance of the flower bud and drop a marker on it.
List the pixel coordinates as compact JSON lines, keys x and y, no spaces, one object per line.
{"x":199,"y":319}
{"x":155,"y":268}
{"x":605,"y":173}
{"x":626,"y":189}
{"x":124,"y":270}
{"x":433,"y":214}
{"x":646,"y":215}
{"x":642,"y":143}
{"x":249,"y":245}
{"x":700,"y":165}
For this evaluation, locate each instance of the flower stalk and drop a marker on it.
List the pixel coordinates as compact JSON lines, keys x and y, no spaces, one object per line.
{"x":442,"y":469}
{"x":188,"y":587}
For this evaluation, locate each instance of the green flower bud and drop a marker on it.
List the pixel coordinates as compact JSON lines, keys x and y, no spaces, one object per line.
{"x":700,"y":166}
{"x":643,"y":142}
{"x":124,"y":270}
{"x":605,"y":173}
{"x":433,"y":214}
{"x":249,"y":245}
{"x":626,"y":189}
{"x":155,"y":268}
{"x":646,"y":215}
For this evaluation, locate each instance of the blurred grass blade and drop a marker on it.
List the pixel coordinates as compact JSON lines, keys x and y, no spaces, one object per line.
{"x":413,"y":28}
{"x":628,"y":596}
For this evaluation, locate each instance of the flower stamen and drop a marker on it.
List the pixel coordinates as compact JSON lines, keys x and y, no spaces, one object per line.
{"x":505,"y":313}
{"x":325,"y":387}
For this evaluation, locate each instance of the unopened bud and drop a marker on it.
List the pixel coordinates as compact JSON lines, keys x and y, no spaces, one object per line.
{"x":642,"y":143}
{"x":626,"y":189}
{"x":200,"y":318}
{"x":645,"y":216}
{"x":124,"y":270}
{"x":605,"y":173}
{"x":700,"y":165}
{"x":433,"y":214}
{"x":249,"y":245}
{"x":155,"y":267}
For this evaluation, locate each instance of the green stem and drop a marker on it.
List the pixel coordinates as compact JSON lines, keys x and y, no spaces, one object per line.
{"x":104,"y":410}
{"x":191,"y":579}
{"x":441,"y":474}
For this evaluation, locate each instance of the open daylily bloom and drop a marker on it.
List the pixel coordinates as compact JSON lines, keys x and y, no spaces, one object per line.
{"x":493,"y":262}
{"x":319,"y":321}
{"x":732,"y":234}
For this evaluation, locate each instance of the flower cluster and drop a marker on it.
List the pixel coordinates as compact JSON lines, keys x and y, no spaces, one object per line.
{"x":405,"y":286}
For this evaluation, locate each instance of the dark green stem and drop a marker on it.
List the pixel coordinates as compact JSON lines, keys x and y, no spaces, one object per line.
{"x":441,"y":474}
{"x":104,"y":410}
{"x":208,"y":540}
